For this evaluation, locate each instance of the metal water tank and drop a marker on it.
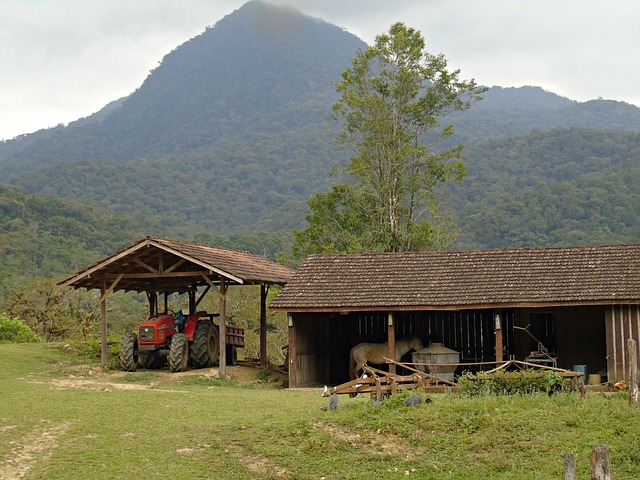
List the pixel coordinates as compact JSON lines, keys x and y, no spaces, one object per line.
{"x":437,"y":354}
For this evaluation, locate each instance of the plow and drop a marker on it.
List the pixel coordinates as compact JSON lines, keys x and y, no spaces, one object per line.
{"x":380,"y":383}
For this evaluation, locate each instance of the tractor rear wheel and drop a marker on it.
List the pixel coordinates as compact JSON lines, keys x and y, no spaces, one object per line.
{"x":232,"y":355}
{"x":179,"y":353}
{"x":205,"y":346}
{"x":151,"y":360}
{"x":129,"y":352}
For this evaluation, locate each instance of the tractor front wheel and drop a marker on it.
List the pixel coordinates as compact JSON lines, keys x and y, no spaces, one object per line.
{"x":179,"y":353}
{"x":129,"y":352}
{"x":205,"y":345}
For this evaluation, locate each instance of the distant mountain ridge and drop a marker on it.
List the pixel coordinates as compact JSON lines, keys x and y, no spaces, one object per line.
{"x":259,"y":71}
{"x":229,"y":136}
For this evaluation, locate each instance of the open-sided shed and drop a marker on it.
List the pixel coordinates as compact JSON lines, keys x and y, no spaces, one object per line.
{"x":158,"y":265}
{"x":581,"y":303}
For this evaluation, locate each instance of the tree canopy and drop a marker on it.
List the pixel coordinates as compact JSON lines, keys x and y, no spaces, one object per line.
{"x":392,"y":100}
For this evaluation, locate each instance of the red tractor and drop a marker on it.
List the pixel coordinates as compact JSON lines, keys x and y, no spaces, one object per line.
{"x":184,"y":340}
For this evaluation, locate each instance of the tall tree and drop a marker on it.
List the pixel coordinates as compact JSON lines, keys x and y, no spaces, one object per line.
{"x":392,"y":101}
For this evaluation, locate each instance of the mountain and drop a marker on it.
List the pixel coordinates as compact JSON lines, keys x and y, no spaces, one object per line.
{"x":505,"y":112}
{"x":260,"y":71}
{"x":227,"y":138}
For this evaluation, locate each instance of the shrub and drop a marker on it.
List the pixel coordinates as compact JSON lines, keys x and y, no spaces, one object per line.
{"x":92,"y":348}
{"x":14,"y":330}
{"x":521,"y":382}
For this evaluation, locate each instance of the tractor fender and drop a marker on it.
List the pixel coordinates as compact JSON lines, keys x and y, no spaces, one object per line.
{"x":190,"y":325}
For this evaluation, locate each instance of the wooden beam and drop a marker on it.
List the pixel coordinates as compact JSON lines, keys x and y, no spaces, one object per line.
{"x":391,"y":337}
{"x":499,"y":341}
{"x":632,"y":361}
{"x":263,"y":326}
{"x":103,"y":324}
{"x":139,"y":262}
{"x":197,"y":262}
{"x":175,"y":265}
{"x":293,"y":356}
{"x":109,"y":291}
{"x":195,"y":273}
{"x":210,"y":282}
{"x":87,"y":273}
{"x":222,"y":329}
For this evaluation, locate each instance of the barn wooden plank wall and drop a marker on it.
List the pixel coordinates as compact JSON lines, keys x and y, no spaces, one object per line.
{"x":471,"y":333}
{"x":622,"y":322}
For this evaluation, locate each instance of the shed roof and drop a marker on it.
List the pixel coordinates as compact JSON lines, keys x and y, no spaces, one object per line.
{"x":160,"y":264}
{"x":454,"y":280}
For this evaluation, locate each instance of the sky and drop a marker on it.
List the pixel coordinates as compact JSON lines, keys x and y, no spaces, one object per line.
{"x":61,"y":60}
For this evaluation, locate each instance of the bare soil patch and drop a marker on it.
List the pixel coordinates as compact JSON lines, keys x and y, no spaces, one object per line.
{"x":33,"y":447}
{"x":375,"y":442}
{"x":104,"y":380}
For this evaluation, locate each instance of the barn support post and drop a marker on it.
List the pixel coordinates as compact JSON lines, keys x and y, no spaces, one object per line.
{"x":293,"y":356}
{"x":263,"y":326}
{"x":103,"y":322}
{"x":391,"y":337}
{"x":222,"y":329}
{"x":632,"y":361}
{"x":499,"y":340}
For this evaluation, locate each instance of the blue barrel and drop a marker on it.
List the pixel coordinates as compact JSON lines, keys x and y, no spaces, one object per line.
{"x":584,"y":370}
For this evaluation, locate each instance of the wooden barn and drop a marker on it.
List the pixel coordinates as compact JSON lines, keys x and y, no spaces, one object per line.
{"x":578,"y":304}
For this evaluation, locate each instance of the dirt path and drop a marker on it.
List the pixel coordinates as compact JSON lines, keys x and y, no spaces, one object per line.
{"x":36,"y":446}
{"x":99,"y":380}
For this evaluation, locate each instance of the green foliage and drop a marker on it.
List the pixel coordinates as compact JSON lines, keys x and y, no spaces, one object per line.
{"x":14,"y":330}
{"x":580,"y":187}
{"x":53,"y":312}
{"x":44,"y":237}
{"x":187,"y":156}
{"x":392,"y":101}
{"x":520,"y":382}
{"x":91,"y":348}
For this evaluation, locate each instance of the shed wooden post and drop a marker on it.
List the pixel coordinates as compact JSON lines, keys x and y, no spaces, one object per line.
{"x":600,"y":465}
{"x":293,"y":363}
{"x":569,"y":466}
{"x":104,"y":358}
{"x":263,"y":326}
{"x":499,"y":341}
{"x":222,"y":329}
{"x":632,"y":361}
{"x":391,"y":337}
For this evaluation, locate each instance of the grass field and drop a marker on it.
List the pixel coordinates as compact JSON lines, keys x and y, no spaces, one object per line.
{"x":62,"y":418}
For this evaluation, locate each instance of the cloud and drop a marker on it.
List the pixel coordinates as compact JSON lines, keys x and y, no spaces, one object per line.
{"x":65,"y":59}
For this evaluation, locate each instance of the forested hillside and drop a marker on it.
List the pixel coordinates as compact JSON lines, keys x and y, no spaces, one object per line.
{"x":564,"y":187}
{"x":42,"y":237}
{"x":228,"y":137}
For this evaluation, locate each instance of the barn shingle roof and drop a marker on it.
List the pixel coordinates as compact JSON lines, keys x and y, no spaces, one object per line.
{"x":173,"y":265}
{"x":465,"y":279}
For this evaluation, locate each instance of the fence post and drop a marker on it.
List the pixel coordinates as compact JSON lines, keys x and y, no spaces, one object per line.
{"x":569,"y":466}
{"x":632,"y":361}
{"x":600,"y":469}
